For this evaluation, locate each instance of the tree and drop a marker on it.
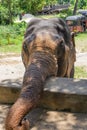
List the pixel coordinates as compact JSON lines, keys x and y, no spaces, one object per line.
{"x":75,"y":7}
{"x":9,"y":2}
{"x":82,"y":4}
{"x":8,"y":9}
{"x":33,"y":6}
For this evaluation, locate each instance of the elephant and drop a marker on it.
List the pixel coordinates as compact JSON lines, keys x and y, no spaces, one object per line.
{"x":48,"y":50}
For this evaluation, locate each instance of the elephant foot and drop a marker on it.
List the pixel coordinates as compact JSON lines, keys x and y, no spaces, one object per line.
{"x":24,"y":125}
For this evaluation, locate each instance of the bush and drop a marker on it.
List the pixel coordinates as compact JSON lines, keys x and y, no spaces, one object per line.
{"x":20,"y":27}
{"x":63,"y":14}
{"x":12,"y":33}
{"x":4,"y":19}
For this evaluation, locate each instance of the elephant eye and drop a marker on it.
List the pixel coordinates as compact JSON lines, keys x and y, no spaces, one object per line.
{"x":61,"y":48}
{"x":24,"y":46}
{"x":62,"y":44}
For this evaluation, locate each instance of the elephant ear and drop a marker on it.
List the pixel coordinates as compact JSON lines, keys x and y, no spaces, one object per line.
{"x":62,"y":29}
{"x":28,"y":37}
{"x":25,"y":48}
{"x":25,"y":56}
{"x":73,"y":38}
{"x":72,"y":57}
{"x":73,"y":43}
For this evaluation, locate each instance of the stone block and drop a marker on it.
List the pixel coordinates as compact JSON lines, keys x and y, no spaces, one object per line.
{"x":59,"y":93}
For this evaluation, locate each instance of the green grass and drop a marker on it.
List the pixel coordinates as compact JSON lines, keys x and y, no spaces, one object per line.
{"x":81,"y":42}
{"x":11,"y":48}
{"x":80,"y":72}
{"x":13,"y":45}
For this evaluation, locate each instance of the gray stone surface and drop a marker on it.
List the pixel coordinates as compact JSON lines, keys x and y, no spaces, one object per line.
{"x":59,"y":93}
{"x":67,"y":86}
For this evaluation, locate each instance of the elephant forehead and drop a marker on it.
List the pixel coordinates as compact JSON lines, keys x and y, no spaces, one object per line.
{"x":44,"y":39}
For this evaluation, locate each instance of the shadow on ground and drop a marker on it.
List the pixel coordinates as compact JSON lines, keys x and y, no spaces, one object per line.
{"x":54,"y":120}
{"x":43,"y":119}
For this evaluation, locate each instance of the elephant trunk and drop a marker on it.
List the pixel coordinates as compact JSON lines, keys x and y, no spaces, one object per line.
{"x":41,"y":66}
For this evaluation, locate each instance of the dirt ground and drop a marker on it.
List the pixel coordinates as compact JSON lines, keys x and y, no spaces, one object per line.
{"x":43,"y":119}
{"x":11,"y":65}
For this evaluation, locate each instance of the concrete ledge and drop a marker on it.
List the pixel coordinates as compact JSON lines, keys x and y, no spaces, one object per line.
{"x":59,"y":93}
{"x":9,"y":90}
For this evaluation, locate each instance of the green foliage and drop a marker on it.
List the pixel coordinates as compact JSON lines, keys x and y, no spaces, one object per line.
{"x":12,"y":34}
{"x":33,"y":6}
{"x":36,"y":5}
{"x":72,"y":2}
{"x":63,"y":14}
{"x":11,"y":8}
{"x":82,"y":4}
{"x":3,"y":15}
{"x":51,"y":2}
{"x":8,"y":9}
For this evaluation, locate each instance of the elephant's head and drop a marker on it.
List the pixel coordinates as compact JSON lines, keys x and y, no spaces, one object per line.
{"x":47,"y":51}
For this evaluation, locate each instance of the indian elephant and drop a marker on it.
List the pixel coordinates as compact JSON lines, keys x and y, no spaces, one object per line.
{"x":48,"y":50}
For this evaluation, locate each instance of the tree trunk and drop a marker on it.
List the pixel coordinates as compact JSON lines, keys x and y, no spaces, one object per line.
{"x":9,"y":11}
{"x":75,"y":7}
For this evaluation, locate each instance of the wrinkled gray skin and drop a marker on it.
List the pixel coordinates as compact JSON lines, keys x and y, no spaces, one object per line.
{"x":48,"y":50}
